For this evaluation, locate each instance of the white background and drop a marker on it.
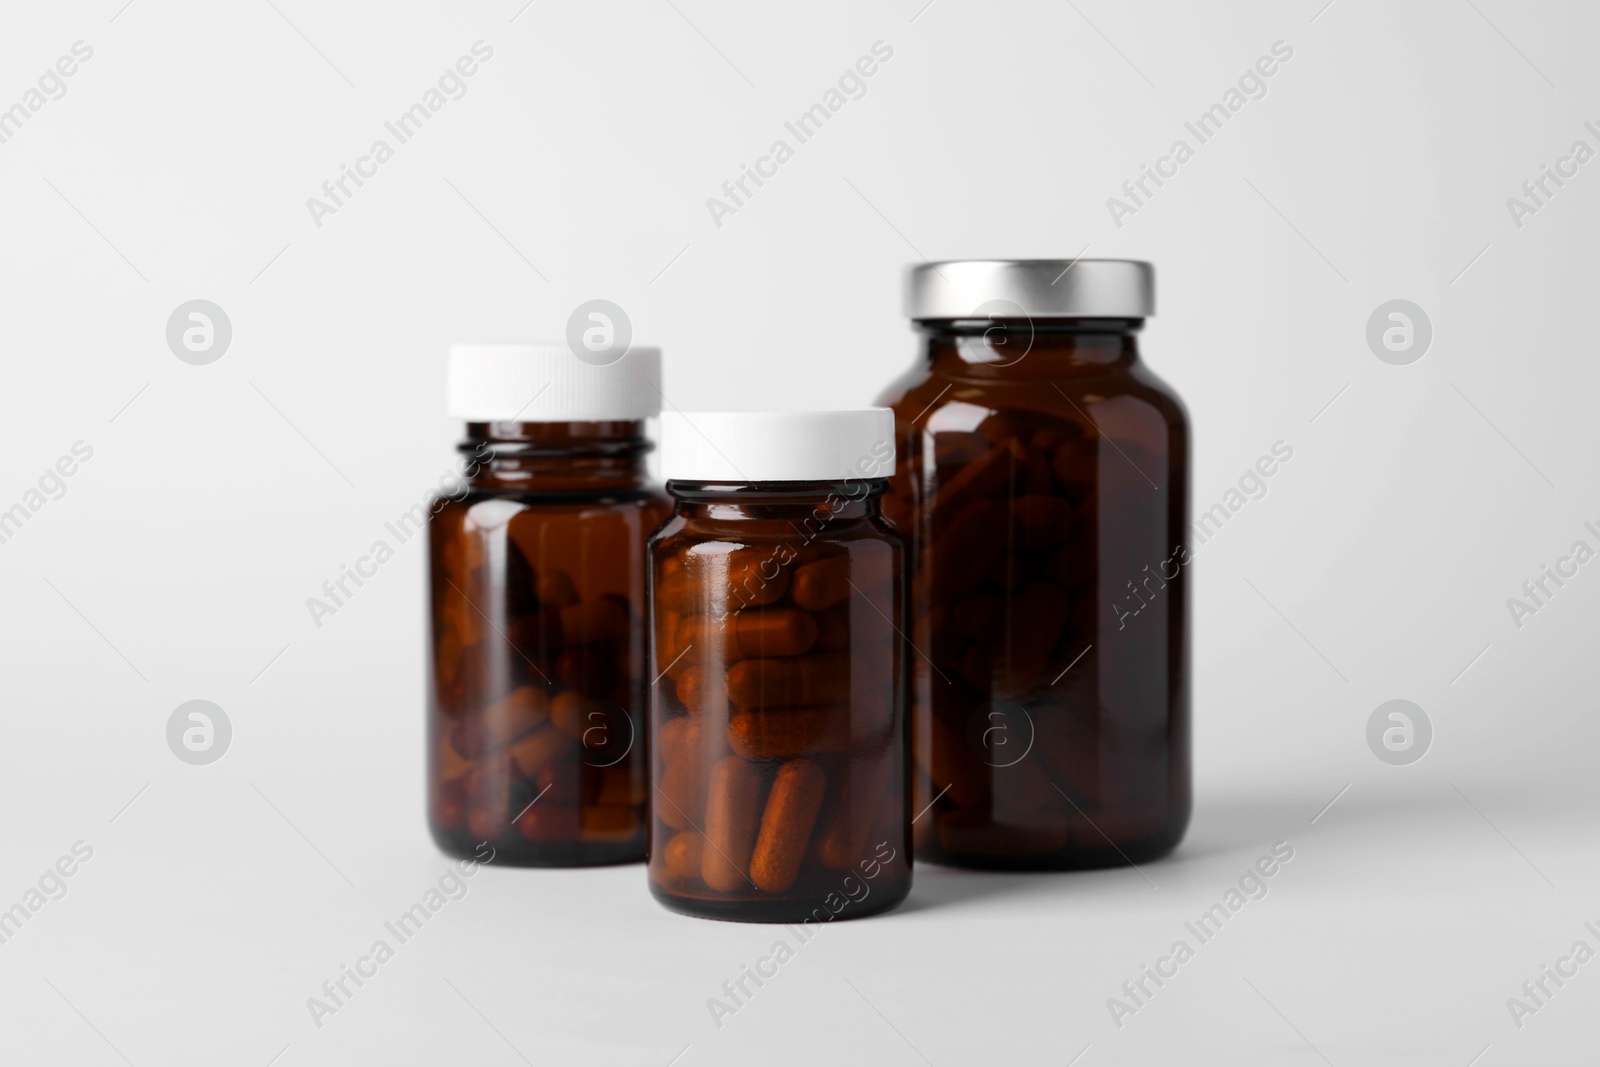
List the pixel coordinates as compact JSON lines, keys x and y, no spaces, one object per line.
{"x":220,"y":497}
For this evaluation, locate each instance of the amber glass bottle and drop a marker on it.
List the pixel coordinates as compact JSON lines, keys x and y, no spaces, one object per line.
{"x":779,"y":783}
{"x":1042,"y":483}
{"x":536,"y":696}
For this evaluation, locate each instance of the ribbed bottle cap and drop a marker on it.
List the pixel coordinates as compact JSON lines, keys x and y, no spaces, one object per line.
{"x":545,"y":382}
{"x":777,"y":446}
{"x":1035,"y":288}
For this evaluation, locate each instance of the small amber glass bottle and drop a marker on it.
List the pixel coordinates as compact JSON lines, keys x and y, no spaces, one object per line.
{"x":1043,"y":487}
{"x":536,"y":695}
{"x":779,"y":776}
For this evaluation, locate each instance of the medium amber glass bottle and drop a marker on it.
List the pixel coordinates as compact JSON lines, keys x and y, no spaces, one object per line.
{"x":1042,"y":483}
{"x":536,"y":696}
{"x":779,"y":782}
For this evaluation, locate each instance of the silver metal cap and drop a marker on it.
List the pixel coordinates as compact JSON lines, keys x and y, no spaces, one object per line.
{"x":1036,"y":288}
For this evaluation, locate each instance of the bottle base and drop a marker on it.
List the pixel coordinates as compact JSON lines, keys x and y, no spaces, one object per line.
{"x":516,"y":852}
{"x":782,"y":911}
{"x":1071,"y":858}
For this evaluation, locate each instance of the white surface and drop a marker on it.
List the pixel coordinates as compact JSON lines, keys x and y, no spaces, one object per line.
{"x":219,"y":498}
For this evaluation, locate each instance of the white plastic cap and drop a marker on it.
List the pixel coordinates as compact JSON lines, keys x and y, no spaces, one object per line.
{"x":777,"y":446}
{"x":546,"y":383}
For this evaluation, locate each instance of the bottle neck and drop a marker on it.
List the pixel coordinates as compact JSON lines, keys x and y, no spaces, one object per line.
{"x":556,"y":457}
{"x":818,"y":505}
{"x":1024,"y":348}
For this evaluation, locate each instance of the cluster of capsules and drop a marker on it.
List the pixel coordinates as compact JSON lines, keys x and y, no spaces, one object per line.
{"x":776,"y":725}
{"x":533,"y":742}
{"x":1004,"y":603}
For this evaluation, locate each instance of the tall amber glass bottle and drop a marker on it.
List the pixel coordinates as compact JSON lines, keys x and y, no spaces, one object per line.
{"x":537,"y":688}
{"x":1042,"y":482}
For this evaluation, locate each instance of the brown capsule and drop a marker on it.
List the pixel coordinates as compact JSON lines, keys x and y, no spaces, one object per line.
{"x":593,"y":722}
{"x":758,"y":576}
{"x":888,"y":827}
{"x":490,"y":779}
{"x":556,"y":589}
{"x":716,"y":583}
{"x":800,"y":681}
{"x":702,"y":687}
{"x":1046,"y":440}
{"x":450,"y":803}
{"x":486,"y":823}
{"x":539,"y":749}
{"x":447,"y":658}
{"x":679,"y":592}
{"x":450,"y":764}
{"x":683,"y":854}
{"x":668,"y":734}
{"x":488,"y":793}
{"x":601,"y":621}
{"x":786,"y":824}
{"x":977,"y":832}
{"x":679,"y":798}
{"x":550,"y":822}
{"x":747,"y":634}
{"x":471,"y":688}
{"x":863,"y":804}
{"x":774,"y":631}
{"x":823,"y":583}
{"x":670,"y":652}
{"x":461,"y":559}
{"x":983,"y":476}
{"x":1041,"y":521}
{"x":621,"y":784}
{"x":464,"y":616}
{"x":733,"y":806}
{"x":561,"y":782}
{"x":783,"y":733}
{"x":523,"y":709}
